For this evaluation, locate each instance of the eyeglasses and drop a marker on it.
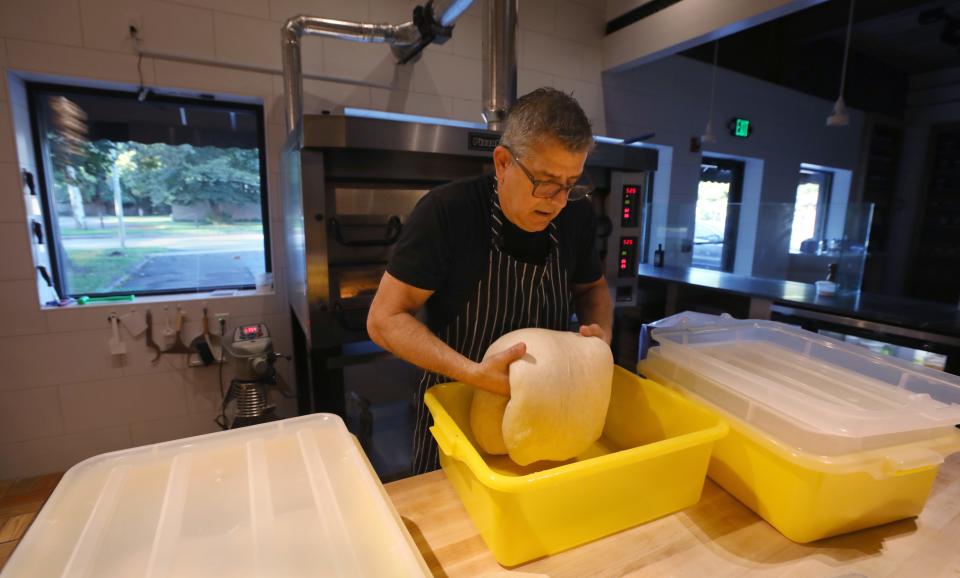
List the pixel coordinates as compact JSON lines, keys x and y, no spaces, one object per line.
{"x":549,"y":189}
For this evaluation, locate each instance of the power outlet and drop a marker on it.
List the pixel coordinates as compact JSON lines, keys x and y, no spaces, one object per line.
{"x":220,"y":323}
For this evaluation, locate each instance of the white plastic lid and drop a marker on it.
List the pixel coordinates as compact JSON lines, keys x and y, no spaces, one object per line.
{"x":290,"y":498}
{"x":810,"y":391}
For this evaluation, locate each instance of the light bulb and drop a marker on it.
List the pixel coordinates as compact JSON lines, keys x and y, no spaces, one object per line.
{"x":839,"y":116}
{"x":708,"y":136}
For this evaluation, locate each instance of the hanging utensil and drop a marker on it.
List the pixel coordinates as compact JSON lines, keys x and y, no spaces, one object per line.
{"x":168,"y":333}
{"x":178,"y":345}
{"x":201,"y":345}
{"x":134,"y":323}
{"x":150,"y":342}
{"x":116,"y":345}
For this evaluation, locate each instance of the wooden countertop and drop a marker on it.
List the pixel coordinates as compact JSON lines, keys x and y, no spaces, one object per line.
{"x":715,"y":538}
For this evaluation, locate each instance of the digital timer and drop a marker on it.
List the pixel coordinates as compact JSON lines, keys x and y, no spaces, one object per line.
{"x":627,"y":257}
{"x":250,"y":332}
{"x":628,"y":215}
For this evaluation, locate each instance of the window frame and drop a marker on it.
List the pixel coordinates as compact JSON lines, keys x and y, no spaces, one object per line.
{"x":48,"y":205}
{"x":646,"y":219}
{"x":823,"y":205}
{"x":731,"y":231}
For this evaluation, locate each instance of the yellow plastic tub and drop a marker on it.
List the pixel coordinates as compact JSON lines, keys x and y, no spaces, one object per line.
{"x":650,"y":462}
{"x":807,"y":497}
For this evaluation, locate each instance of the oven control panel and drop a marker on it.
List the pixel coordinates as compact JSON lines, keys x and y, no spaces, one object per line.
{"x":627,"y":257}
{"x":625,"y":245}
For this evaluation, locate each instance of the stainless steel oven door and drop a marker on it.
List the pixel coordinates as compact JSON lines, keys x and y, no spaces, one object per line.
{"x":376,"y":200}
{"x":367,"y":221}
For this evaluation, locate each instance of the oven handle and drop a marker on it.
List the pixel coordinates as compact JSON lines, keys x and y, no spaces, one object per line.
{"x":393,"y":227}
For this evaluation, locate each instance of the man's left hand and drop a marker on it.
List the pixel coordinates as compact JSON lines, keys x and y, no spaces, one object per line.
{"x":593,"y":330}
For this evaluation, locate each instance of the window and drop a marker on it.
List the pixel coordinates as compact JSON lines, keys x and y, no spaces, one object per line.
{"x":717,"y":213}
{"x":164,"y":195}
{"x":810,"y":211}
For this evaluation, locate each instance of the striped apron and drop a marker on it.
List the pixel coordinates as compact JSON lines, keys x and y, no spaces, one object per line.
{"x":513,"y":295}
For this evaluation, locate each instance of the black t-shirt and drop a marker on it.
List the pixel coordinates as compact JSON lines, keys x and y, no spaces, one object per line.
{"x":445,"y":245}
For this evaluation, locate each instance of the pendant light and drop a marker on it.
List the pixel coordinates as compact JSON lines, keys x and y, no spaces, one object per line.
{"x":708,"y":136}
{"x":840,"y":116}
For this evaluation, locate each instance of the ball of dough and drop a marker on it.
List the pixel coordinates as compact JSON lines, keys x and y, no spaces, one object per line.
{"x":559,"y":394}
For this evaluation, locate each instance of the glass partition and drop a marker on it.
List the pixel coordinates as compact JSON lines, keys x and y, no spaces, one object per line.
{"x":766,"y":242}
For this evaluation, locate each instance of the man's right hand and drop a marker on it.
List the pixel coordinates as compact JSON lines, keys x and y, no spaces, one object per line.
{"x":493,"y":373}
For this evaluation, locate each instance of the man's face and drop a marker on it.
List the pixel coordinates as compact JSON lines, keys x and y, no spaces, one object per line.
{"x":547,"y":161}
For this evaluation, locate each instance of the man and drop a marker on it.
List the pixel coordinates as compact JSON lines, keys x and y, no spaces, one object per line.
{"x":489,"y":255}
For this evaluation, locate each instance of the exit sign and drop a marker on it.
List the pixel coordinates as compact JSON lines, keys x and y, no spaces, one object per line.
{"x":740,"y":127}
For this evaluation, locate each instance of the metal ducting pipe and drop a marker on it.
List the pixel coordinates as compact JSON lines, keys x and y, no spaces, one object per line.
{"x":499,"y":60}
{"x":432,"y":22}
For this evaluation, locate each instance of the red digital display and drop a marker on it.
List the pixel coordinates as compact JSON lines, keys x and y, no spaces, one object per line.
{"x":628,"y":256}
{"x":251,"y":330}
{"x":628,"y":218}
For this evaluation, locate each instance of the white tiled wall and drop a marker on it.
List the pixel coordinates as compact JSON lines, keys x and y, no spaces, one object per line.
{"x":16,"y":241}
{"x":62,"y":397}
{"x":177,"y":30}
{"x":247,"y":41}
{"x":3,"y":64}
{"x":54,"y":21}
{"x":7,"y":150}
{"x":11,"y":206}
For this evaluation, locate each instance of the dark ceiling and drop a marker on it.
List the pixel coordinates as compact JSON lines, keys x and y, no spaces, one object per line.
{"x":892,"y":40}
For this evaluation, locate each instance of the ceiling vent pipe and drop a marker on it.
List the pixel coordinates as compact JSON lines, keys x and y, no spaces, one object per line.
{"x":432,"y":22}
{"x":499,"y":60}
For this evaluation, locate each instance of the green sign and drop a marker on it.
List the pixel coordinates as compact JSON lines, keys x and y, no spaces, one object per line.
{"x":740,"y":127}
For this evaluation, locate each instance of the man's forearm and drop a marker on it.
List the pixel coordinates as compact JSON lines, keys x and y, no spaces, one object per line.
{"x":593,"y":305}
{"x":409,"y":339}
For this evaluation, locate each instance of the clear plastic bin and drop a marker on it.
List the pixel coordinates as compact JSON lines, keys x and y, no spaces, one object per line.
{"x":813,"y":392}
{"x":651,"y":461}
{"x":290,"y":498}
{"x":806,"y":496}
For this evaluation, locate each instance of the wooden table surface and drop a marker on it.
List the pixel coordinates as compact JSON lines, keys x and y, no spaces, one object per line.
{"x":715,"y":538}
{"x":20,"y":501}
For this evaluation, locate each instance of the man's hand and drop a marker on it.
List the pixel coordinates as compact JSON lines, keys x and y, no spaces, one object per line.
{"x":594,"y":309}
{"x":593,"y":330}
{"x":493,"y":374}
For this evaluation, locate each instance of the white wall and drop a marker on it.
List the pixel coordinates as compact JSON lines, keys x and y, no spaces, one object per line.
{"x":62,"y":398}
{"x":671,"y":97}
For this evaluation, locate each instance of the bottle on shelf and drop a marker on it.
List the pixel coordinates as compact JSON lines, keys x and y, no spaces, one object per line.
{"x":658,"y":256}
{"x":829,"y":285}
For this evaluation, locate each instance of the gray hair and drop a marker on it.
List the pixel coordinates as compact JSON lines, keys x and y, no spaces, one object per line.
{"x":543,"y":114}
